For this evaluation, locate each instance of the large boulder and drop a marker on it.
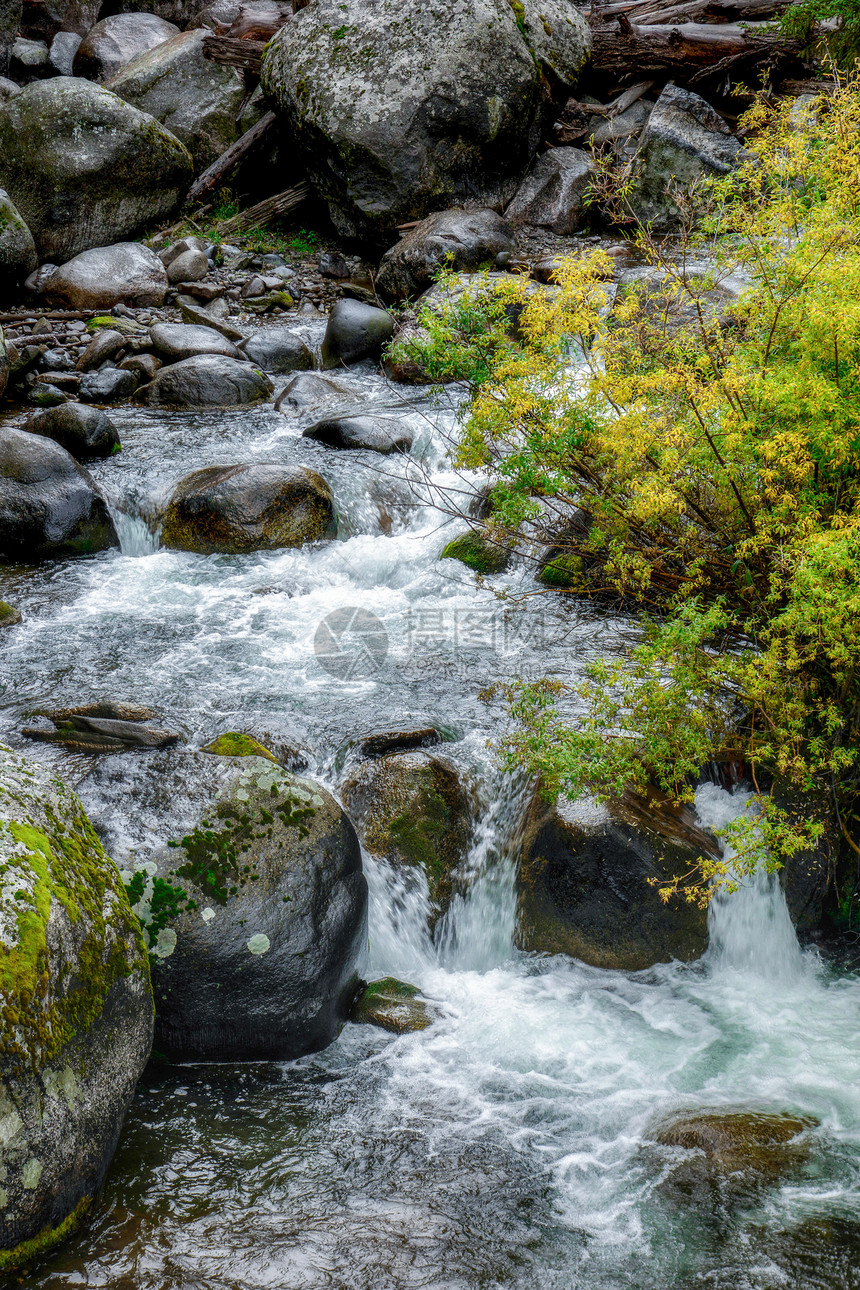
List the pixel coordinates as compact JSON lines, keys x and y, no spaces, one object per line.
{"x":76,"y":1018}
{"x":400,"y":108}
{"x":553,"y":195}
{"x":460,"y":240}
{"x":116,"y":40}
{"x":83,"y":431}
{"x":49,"y":505}
{"x":413,"y":810}
{"x":684,"y":141}
{"x":125,"y":273}
{"x":175,"y":342}
{"x":355,"y":331}
{"x":207,"y":380}
{"x":585,"y":889}
{"x":196,"y":99}
{"x":84,"y":168}
{"x":376,"y":434}
{"x":278,"y":350}
{"x":18,"y":257}
{"x":233,"y":509}
{"x":256,"y":949}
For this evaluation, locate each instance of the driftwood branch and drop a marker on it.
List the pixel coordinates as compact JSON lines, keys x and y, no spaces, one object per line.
{"x":647,"y":12}
{"x":247,"y":54}
{"x":218,"y":171}
{"x":266,"y":210}
{"x":622,"y":48}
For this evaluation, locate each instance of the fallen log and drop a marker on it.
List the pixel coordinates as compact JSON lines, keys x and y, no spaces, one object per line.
{"x":652,"y":12}
{"x":687,"y":52}
{"x":271,"y":208}
{"x":218,"y":171}
{"x":247,"y":54}
{"x":257,"y":24}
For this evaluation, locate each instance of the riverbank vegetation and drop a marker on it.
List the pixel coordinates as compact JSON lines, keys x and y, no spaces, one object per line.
{"x":694,"y":443}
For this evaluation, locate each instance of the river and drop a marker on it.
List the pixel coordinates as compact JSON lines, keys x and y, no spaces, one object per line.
{"x":507,"y":1145}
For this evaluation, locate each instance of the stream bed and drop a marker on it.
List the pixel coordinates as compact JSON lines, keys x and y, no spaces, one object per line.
{"x":507,"y":1145}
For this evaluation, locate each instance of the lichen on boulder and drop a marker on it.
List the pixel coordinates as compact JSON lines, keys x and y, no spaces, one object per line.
{"x":76,"y":1013}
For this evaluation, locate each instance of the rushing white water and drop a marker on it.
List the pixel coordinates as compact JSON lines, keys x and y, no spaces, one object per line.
{"x":507,"y":1145}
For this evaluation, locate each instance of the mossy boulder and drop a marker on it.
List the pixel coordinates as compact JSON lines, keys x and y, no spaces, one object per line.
{"x":477,"y":551}
{"x":18,"y":256}
{"x":255,"y":919}
{"x":86,"y":169}
{"x":76,"y":1016}
{"x":392,"y":1005}
{"x":235,"y":744}
{"x":232,"y":509}
{"x":207,"y":381}
{"x":9,"y":615}
{"x":562,"y":572}
{"x":413,"y":810}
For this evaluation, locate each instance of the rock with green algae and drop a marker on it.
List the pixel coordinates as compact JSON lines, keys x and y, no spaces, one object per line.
{"x":235,"y":744}
{"x":255,"y":919}
{"x":76,"y":1015}
{"x":563,"y":572}
{"x":477,"y":551}
{"x":392,"y":1005}
{"x":9,"y":615}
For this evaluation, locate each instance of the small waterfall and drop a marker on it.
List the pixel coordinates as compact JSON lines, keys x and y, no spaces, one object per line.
{"x":137,"y":535}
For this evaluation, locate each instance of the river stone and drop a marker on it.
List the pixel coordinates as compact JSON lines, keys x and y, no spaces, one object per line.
{"x":311,"y":390}
{"x":196,"y":99}
{"x":61,"y":54}
{"x":8,"y":89}
{"x":413,"y":810}
{"x":478,"y":552}
{"x":9,"y":615}
{"x":460,"y":240}
{"x":278,"y":351}
{"x":116,"y":40}
{"x":684,"y":141}
{"x":49,"y":505}
{"x":82,"y":431}
{"x":259,"y":507}
{"x":392,"y":1005}
{"x":177,"y":341}
{"x":108,"y":385}
{"x":125,"y":273}
{"x":86,"y":169}
{"x":76,"y":1018}
{"x":377,"y":434}
{"x":552,"y":196}
{"x":18,"y":257}
{"x":584,"y":889}
{"x":259,"y":959}
{"x":207,"y":380}
{"x":399,"y":108}
{"x":191,"y":266}
{"x":355,"y":331}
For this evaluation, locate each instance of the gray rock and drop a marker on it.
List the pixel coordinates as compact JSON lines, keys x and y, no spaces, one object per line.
{"x":108,"y":385}
{"x":61,"y":55}
{"x":126,"y":273}
{"x":46,"y":395}
{"x":18,"y":257}
{"x":552,"y":196}
{"x":620,"y":129}
{"x":260,"y":959}
{"x":354,"y":332}
{"x":173,"y":252}
{"x":310,"y":390}
{"x":177,"y":341}
{"x":459,"y":239}
{"x":144,"y":366}
{"x":76,"y":1019}
{"x":197,"y":316}
{"x":8,"y":89}
{"x":84,"y":168}
{"x":29,"y":55}
{"x":388,"y":134}
{"x":10,"y":19}
{"x":278,"y":351}
{"x":558,"y":37}
{"x":683,"y":141}
{"x":49,"y":505}
{"x":84,"y":432}
{"x":260,"y":507}
{"x":190,"y":266}
{"x":72,"y":15}
{"x":207,"y":380}
{"x":104,"y":345}
{"x":115,"y":41}
{"x":333,"y":265}
{"x":196,"y":99}
{"x":378,"y":434}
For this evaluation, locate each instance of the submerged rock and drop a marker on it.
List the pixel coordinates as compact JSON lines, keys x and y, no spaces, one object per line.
{"x":49,"y":505}
{"x":310,"y":390}
{"x":392,"y":1005}
{"x":258,"y":507}
{"x":76,"y":1018}
{"x":83,"y":431}
{"x":463,"y":240}
{"x":257,"y":925}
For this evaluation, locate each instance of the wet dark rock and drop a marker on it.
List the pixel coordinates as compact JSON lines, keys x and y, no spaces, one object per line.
{"x":49,"y":505}
{"x":333,"y":265}
{"x":392,"y":1005}
{"x":413,"y":810}
{"x":460,"y":122}
{"x":311,"y":390}
{"x":553,"y":195}
{"x":76,"y":1015}
{"x":464,"y":240}
{"x":479,"y":552}
{"x":101,"y":734}
{"x":257,"y":958}
{"x":144,"y":366}
{"x":259,"y":507}
{"x":377,"y":434}
{"x":584,"y":884}
{"x":104,"y":345}
{"x":107,"y":709}
{"x":84,"y":432}
{"x":5,"y":364}
{"x":393,"y":741}
{"x":278,"y":351}
{"x":354,"y":332}
{"x":177,"y":341}
{"x":86,"y":169}
{"x":116,"y":40}
{"x":108,"y":385}
{"x":10,"y":19}
{"x":207,"y":380}
{"x":9,"y":615}
{"x":18,"y":257}
{"x":45,"y":395}
{"x":124,"y":273}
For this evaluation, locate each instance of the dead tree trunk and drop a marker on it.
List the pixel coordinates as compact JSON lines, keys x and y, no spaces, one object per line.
{"x":218,"y":171}
{"x":687,"y":52}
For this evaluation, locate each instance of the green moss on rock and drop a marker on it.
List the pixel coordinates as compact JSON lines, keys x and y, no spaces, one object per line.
{"x":392,"y":1005}
{"x":563,"y":572}
{"x":236,"y":744}
{"x":477,"y":552}
{"x":30,"y":1249}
